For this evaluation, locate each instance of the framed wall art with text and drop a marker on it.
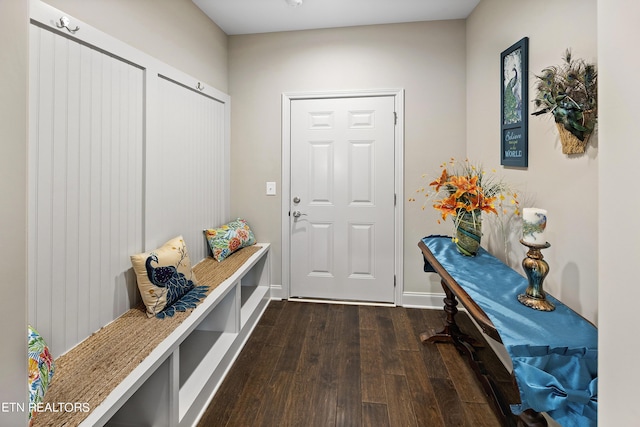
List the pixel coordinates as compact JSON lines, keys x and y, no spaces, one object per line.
{"x":514,"y":99}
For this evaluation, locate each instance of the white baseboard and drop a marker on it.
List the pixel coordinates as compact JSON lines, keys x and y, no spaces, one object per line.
{"x":409,"y":299}
{"x":277,"y":293}
{"x":422,"y":300}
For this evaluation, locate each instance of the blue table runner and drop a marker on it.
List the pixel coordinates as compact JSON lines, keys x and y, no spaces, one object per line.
{"x":554,"y":354}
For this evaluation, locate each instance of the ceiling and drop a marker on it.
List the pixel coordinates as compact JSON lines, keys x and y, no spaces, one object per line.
{"x":265,"y":16}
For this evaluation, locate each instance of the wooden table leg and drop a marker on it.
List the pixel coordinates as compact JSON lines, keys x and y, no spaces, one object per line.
{"x":466,"y":345}
{"x":451,"y":331}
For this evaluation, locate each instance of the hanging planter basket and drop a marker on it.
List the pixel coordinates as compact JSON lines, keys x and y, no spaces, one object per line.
{"x":569,"y":92}
{"x":571,"y":144}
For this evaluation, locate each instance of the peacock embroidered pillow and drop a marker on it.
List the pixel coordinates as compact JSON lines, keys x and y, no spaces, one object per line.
{"x":165,"y":279}
{"x":225,"y":240}
{"x":41,"y":368}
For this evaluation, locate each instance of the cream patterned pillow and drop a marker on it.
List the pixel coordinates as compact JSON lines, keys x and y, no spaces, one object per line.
{"x":165,"y":279}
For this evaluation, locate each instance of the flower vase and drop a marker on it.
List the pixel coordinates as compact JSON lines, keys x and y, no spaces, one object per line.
{"x":468,"y":233}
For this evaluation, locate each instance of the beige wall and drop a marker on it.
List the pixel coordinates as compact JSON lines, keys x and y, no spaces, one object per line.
{"x":426,"y":59}
{"x":564,"y":185}
{"x":13,"y":207}
{"x":176,"y":32}
{"x":619,"y":371}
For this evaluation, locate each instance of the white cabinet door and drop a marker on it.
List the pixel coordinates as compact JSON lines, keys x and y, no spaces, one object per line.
{"x":342,"y":199}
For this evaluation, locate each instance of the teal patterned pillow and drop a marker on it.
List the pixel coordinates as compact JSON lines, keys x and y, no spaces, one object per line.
{"x":228,"y":238}
{"x":41,"y":369}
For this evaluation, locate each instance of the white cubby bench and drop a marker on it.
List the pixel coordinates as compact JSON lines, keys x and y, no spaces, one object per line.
{"x":172,"y":384}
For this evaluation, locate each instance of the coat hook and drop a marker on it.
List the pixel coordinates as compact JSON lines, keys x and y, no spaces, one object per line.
{"x":199,"y":87}
{"x":64,"y":23}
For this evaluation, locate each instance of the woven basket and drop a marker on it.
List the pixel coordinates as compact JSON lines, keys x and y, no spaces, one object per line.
{"x":571,"y":144}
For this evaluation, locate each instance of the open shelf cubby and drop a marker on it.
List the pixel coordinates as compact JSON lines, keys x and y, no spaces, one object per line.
{"x":205,"y":348}
{"x":140,"y":409}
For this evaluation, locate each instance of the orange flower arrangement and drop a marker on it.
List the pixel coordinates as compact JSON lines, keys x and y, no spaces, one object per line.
{"x":465,"y":189}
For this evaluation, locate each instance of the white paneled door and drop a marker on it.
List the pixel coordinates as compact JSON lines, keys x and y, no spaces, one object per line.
{"x":342,"y":201}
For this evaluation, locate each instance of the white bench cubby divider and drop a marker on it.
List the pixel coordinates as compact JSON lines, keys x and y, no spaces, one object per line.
{"x":254,"y":284}
{"x":175,"y":383}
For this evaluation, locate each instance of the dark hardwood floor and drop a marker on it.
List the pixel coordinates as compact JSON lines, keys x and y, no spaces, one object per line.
{"x":343,"y":365}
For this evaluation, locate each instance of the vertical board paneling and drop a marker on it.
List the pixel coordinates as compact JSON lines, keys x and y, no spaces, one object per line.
{"x":105,"y":96}
{"x":58,"y":195}
{"x":95,"y":143}
{"x":85,"y":172}
{"x":83,"y":324}
{"x":120,"y":161}
{"x":72,"y":238}
{"x":188,"y":191}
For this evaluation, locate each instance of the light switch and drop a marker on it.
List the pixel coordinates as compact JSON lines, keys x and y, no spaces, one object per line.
{"x":271,"y":188}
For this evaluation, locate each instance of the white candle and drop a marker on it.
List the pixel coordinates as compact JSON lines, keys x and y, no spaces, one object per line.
{"x":534,"y":221}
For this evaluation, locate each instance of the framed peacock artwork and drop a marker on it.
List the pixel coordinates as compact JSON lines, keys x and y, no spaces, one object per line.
{"x":514,"y":99}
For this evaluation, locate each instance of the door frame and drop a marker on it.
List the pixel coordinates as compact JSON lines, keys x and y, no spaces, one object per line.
{"x":287,"y":99}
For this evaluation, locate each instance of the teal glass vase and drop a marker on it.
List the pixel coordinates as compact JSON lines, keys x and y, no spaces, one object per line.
{"x":468,"y":232}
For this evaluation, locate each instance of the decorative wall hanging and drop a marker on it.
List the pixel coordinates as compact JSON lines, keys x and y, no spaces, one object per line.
{"x":514,"y":66}
{"x":570,"y":93}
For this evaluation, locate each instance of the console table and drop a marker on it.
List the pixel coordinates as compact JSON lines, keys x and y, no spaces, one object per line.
{"x":554,"y":354}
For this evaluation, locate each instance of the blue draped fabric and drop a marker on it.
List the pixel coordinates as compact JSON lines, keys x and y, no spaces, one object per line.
{"x":554,"y":354}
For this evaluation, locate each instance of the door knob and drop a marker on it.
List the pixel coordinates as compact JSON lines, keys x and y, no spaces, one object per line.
{"x":298,"y":214}
{"x":296,"y":199}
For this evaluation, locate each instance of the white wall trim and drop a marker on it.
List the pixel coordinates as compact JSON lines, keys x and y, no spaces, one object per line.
{"x":277,"y":292}
{"x":426,"y":300}
{"x":287,"y":98}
